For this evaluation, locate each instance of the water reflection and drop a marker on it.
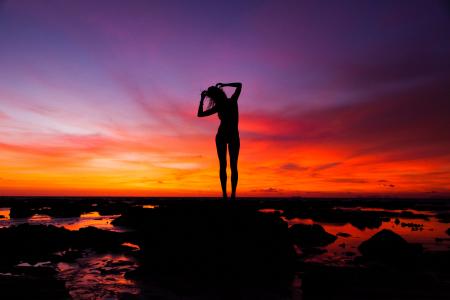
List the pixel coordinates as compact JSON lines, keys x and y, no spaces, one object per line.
{"x":98,"y":276}
{"x":4,"y":213}
{"x":150,"y":206}
{"x":431,"y":233}
{"x":87,"y":219}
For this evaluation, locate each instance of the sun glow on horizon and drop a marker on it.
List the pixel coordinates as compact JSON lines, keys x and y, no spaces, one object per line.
{"x":101,"y":100}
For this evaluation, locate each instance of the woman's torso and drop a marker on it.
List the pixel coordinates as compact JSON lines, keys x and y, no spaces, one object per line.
{"x":229,"y":119}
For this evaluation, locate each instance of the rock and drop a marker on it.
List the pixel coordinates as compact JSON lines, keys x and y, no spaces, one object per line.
{"x":448,"y":231}
{"x":65,"y":211}
{"x":211,"y":244}
{"x":444,"y":217}
{"x":20,"y":211}
{"x":388,"y":246}
{"x":344,"y":234}
{"x":98,"y":239}
{"x":397,"y":221}
{"x":413,"y":226}
{"x":359,"y":218}
{"x":34,"y":243}
{"x":311,"y":235}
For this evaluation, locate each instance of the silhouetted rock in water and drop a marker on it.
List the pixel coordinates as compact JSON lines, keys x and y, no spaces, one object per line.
{"x":65,"y":211}
{"x":413,"y":226}
{"x":32,"y":283}
{"x":20,"y":211}
{"x":359,"y":218}
{"x":389,"y":247}
{"x":100,"y":240}
{"x":115,"y":208}
{"x":448,"y":231}
{"x":2,"y":217}
{"x":61,"y":210}
{"x":444,"y":217}
{"x":31,"y":243}
{"x":225,"y":246}
{"x":311,"y":235}
{"x":397,"y":221}
{"x":34,"y":243}
{"x":344,"y":234}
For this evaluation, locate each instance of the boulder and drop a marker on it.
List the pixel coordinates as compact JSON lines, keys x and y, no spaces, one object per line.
{"x":314,"y":235}
{"x":344,"y":234}
{"x":21,"y":211}
{"x":219,"y":246}
{"x":387,"y":246}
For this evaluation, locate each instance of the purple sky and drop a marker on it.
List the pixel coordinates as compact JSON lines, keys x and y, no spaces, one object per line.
{"x":362,"y":79}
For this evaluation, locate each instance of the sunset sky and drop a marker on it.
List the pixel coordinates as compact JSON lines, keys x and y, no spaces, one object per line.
{"x":340,"y":98}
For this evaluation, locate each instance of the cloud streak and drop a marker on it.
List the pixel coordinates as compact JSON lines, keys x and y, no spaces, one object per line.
{"x":338,"y":99}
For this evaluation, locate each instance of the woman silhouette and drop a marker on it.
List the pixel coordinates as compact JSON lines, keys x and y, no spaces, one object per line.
{"x":228,"y":133}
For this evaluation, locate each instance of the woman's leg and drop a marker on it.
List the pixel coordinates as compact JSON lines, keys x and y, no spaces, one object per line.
{"x":221,"y":147}
{"x":234,"y":147}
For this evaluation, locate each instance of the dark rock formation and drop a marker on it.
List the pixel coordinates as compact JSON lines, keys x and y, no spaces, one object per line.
{"x":215,"y":246}
{"x":344,"y":234}
{"x":388,"y":246}
{"x":311,"y":235}
{"x":444,"y":217}
{"x":34,"y":243}
{"x":20,"y":211}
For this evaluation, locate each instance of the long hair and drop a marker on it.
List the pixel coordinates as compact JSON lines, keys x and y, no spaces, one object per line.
{"x":216,"y":96}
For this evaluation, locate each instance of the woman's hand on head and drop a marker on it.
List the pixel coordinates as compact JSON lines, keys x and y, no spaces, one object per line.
{"x":219,"y":84}
{"x":203,"y":94}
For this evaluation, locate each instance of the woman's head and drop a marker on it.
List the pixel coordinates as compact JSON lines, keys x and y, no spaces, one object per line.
{"x":216,"y":96}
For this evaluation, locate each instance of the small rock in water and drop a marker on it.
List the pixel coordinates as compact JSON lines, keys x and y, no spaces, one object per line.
{"x":388,"y":246}
{"x":311,"y":235}
{"x":344,"y":234}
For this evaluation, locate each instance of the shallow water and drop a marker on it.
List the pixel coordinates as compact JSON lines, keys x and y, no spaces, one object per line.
{"x":98,"y":276}
{"x":102,"y":275}
{"x":430,"y":233}
{"x":92,"y":276}
{"x":87,"y":219}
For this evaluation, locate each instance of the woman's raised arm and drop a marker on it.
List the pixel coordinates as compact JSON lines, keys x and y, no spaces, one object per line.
{"x":236,"y":85}
{"x":201,"y":112}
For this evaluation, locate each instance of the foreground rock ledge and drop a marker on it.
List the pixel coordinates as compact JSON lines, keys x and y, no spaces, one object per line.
{"x":212,"y":245}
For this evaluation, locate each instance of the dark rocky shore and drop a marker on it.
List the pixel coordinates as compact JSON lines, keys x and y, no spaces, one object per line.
{"x":205,"y":249}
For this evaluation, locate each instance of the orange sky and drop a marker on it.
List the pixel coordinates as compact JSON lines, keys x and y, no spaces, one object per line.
{"x":339,"y":100}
